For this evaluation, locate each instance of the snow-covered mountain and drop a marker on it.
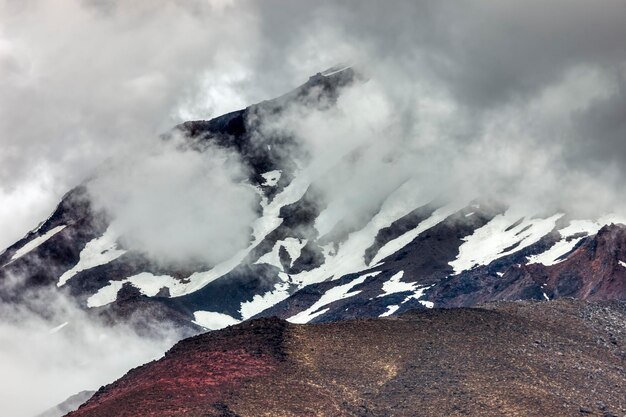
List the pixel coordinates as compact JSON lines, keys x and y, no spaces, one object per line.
{"x":306,"y":263}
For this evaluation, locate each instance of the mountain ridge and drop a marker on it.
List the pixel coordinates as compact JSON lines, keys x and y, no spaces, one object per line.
{"x":403,"y":254}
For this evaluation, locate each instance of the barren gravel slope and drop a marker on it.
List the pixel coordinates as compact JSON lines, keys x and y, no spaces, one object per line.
{"x":559,"y":358}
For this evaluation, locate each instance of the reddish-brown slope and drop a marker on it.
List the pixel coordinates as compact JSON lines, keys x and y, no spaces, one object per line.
{"x":193,"y":376}
{"x":562,"y":358}
{"x":593,"y":271}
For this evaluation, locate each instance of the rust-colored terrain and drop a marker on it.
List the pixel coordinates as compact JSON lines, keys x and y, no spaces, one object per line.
{"x":559,"y":358}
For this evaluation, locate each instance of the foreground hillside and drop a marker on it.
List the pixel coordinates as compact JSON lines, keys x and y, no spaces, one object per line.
{"x":558,"y":358}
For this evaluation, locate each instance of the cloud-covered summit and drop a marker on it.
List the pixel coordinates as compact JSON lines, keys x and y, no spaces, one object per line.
{"x":515,"y":98}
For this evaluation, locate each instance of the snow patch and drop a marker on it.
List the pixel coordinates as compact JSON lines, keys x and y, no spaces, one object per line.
{"x":213,"y":321}
{"x":147,"y":283}
{"x":271,"y":178}
{"x":335,"y":70}
{"x":398,"y":243}
{"x":272,"y":257}
{"x":339,"y":292}
{"x":96,"y":252}
{"x":58,"y":328}
{"x":622,"y":263}
{"x":567,"y":243}
{"x":394,"y":285}
{"x":261,"y":303}
{"x":36,"y":242}
{"x":491,"y":241}
{"x":105,"y":295}
{"x":293,"y":247}
{"x":390,"y":310}
{"x":419,"y":293}
{"x":556,"y":251}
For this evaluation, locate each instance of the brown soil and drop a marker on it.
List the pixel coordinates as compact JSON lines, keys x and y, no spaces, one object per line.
{"x":559,"y":358}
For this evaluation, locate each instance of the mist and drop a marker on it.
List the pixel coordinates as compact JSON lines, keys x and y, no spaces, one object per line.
{"x":82,"y":82}
{"x":539,"y":88}
{"x":177,"y":205}
{"x":51,"y":349}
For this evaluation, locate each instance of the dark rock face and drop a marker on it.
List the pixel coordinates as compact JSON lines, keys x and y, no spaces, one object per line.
{"x":591,"y":270}
{"x":426,"y":259}
{"x":43,"y":266}
{"x":398,"y":228}
{"x":523,"y":358}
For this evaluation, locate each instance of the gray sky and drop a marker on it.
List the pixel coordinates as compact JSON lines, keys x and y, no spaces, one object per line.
{"x":512,"y":95}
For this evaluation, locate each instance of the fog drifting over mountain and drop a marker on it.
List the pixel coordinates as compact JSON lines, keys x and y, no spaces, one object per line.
{"x":51,"y":349}
{"x":522,"y":99}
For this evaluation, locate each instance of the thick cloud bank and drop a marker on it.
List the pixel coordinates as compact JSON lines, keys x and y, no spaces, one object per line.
{"x":536,"y":89}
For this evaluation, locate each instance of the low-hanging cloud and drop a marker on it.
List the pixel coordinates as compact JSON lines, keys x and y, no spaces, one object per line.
{"x":50,"y":349}
{"x":375,"y":139}
{"x":83,"y":81}
{"x":521,"y":102}
{"x":177,"y":205}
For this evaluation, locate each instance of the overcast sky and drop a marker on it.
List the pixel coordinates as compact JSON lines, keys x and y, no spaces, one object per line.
{"x":538,"y":87}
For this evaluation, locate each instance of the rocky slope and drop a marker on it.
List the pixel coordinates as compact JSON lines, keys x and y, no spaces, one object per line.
{"x":404,"y":254}
{"x":559,"y":358}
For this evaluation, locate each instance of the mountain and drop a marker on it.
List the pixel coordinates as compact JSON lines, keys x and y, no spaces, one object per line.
{"x":69,"y":405}
{"x":404,"y":254}
{"x":560,"y":358}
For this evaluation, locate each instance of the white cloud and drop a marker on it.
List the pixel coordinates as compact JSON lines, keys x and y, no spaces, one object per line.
{"x":45,"y":360}
{"x":178,"y":205}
